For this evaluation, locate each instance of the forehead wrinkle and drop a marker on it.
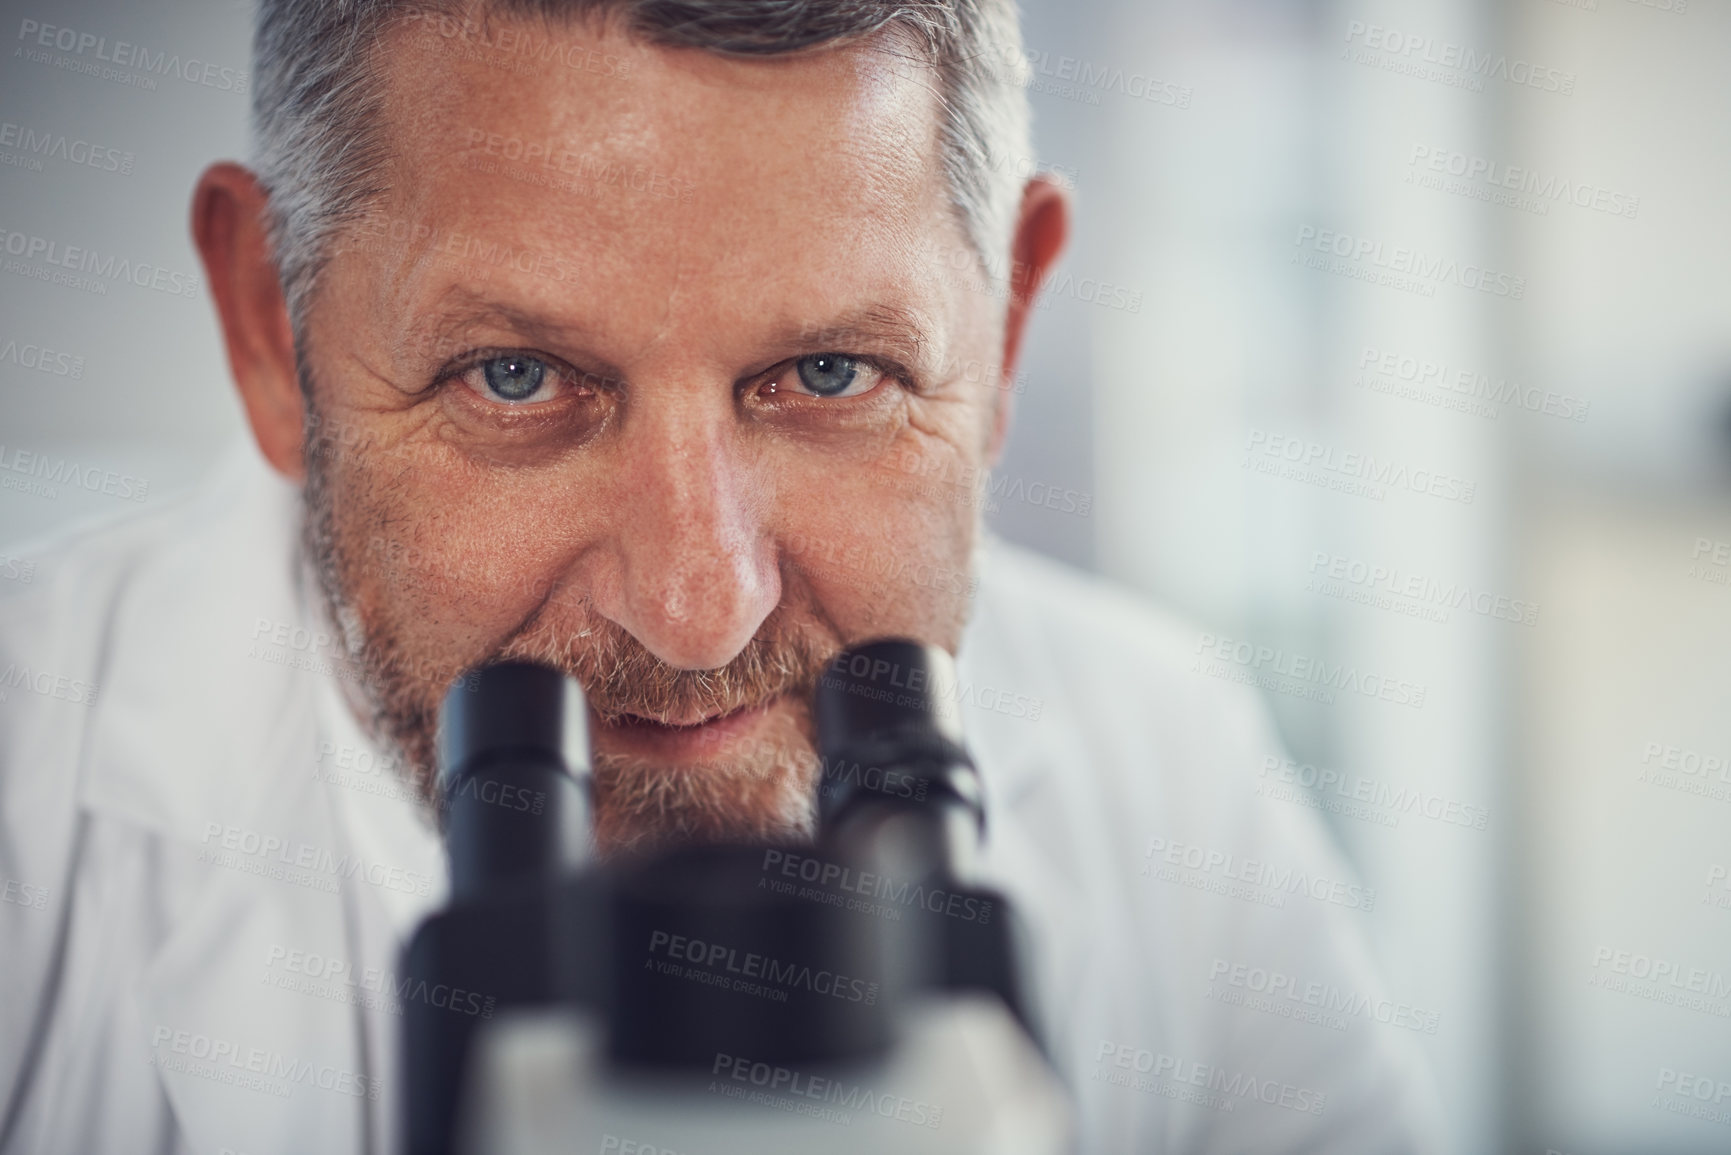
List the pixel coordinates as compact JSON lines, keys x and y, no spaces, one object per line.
{"x":884,"y":93}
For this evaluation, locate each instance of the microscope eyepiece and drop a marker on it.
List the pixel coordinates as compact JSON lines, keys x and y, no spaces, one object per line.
{"x":513,"y":778}
{"x":513,"y":709}
{"x":889,"y":730}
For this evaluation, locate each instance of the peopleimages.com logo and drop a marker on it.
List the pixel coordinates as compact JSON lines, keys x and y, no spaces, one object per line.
{"x":1447,"y":61}
{"x":88,"y":52}
{"x":86,"y":269}
{"x":41,"y":358}
{"x":260,"y":1069}
{"x":1348,"y":471}
{"x":1401,"y":266}
{"x":1300,"y":675}
{"x":37,"y":145}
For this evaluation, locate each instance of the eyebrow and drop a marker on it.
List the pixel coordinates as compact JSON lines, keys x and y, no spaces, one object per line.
{"x":460,"y":307}
{"x":899,"y":334}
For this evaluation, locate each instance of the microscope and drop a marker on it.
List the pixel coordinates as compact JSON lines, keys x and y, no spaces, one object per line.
{"x":859,"y":992}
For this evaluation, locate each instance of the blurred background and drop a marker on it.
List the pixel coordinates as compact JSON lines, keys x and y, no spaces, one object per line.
{"x":1417,"y":361}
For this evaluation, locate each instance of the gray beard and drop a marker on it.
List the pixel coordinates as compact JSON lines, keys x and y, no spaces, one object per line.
{"x":638,"y":804}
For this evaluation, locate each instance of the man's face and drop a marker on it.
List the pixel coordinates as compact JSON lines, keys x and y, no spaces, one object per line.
{"x":640,"y":366}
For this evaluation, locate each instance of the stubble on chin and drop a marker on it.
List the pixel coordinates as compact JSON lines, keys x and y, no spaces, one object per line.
{"x":764,"y":791}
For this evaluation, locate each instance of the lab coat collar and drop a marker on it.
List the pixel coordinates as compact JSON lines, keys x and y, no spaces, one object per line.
{"x":1013,"y":716}
{"x":189,"y":727}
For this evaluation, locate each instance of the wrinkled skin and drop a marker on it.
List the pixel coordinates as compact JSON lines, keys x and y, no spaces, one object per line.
{"x":671,"y":514}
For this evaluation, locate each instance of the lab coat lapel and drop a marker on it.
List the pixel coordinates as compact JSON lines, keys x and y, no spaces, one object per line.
{"x":1019,"y":757}
{"x":255,"y":1052}
{"x":210,"y":745}
{"x":1031,"y":751}
{"x":1023,"y":858}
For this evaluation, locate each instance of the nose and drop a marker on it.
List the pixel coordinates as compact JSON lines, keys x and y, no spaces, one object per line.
{"x":696,"y":566}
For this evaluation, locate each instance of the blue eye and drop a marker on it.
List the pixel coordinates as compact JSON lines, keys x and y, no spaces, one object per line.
{"x":514,"y":377}
{"x":827,"y":374}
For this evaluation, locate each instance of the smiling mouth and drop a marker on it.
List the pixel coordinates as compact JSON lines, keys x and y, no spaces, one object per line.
{"x":642,"y":722}
{"x":678,"y":738}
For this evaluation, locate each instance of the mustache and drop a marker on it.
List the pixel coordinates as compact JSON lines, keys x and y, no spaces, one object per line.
{"x":624,"y":682}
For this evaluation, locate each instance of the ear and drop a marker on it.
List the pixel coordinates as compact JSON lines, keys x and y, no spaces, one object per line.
{"x":229,"y":210}
{"x":1042,"y":227}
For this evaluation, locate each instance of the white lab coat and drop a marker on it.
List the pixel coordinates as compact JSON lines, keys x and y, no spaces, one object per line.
{"x":207,"y":875}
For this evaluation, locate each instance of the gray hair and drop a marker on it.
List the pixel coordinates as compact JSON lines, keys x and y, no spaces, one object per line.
{"x":316,"y":95}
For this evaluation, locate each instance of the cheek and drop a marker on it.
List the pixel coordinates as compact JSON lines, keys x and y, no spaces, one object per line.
{"x":886,"y":550}
{"x":458,"y":555}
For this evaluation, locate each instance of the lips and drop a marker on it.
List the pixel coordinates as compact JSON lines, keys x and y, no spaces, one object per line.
{"x":675,"y":741}
{"x":692,"y":721}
